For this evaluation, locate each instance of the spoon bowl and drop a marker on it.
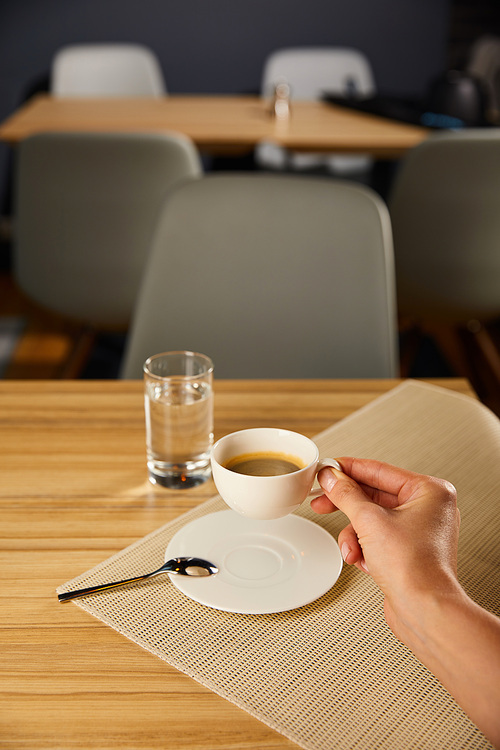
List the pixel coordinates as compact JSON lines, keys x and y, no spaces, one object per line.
{"x":183,"y":566}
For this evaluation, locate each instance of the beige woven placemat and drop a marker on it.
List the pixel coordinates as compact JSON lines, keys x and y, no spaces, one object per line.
{"x":331,"y":674}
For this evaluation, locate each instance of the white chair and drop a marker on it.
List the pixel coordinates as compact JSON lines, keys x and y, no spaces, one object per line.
{"x":85,"y":209}
{"x":273,"y":276}
{"x":445,"y":214}
{"x":310,"y":73}
{"x":484,"y":64}
{"x":106,"y":70}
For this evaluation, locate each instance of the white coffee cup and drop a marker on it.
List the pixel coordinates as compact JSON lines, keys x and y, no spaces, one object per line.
{"x":267,"y":497}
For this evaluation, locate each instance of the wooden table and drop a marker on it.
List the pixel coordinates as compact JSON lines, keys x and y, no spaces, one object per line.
{"x":220,"y":124}
{"x":73,"y":491}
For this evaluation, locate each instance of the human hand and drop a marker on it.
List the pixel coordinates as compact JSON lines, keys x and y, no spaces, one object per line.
{"x":403,"y":529}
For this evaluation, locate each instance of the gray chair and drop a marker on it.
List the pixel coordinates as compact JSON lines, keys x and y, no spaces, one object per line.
{"x":272,"y":276}
{"x":484,"y":64}
{"x":310,"y":72}
{"x":106,"y":70}
{"x":85,"y":209}
{"x":445,"y":211}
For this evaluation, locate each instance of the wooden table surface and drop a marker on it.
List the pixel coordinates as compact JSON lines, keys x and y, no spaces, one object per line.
{"x":219,"y":124}
{"x":73,"y":491}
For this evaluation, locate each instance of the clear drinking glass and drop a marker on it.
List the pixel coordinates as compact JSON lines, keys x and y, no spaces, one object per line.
{"x":178,"y":402}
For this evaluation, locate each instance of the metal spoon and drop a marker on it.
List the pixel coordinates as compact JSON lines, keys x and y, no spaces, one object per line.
{"x":184,"y":566}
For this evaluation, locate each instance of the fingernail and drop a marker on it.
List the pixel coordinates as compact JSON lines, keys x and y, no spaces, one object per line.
{"x":327,"y":479}
{"x":346,"y":551}
{"x":364,"y":566}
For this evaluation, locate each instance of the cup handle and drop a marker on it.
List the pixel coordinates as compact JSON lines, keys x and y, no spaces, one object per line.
{"x":323,"y":463}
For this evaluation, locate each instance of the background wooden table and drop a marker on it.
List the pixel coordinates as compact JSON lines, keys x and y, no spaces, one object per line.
{"x":73,"y":491}
{"x":219,"y":124}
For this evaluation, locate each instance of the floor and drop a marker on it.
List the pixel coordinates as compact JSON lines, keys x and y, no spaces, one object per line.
{"x":46,"y":344}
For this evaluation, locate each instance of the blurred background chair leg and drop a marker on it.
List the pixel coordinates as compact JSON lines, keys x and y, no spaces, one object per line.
{"x":410,"y":342}
{"x":449,"y":340}
{"x":488,"y":348}
{"x":471,"y":351}
{"x":80,"y":354}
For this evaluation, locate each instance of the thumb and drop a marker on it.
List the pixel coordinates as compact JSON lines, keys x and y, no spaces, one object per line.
{"x":342,"y":491}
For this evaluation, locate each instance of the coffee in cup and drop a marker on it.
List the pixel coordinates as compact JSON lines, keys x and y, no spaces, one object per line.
{"x":264,"y":464}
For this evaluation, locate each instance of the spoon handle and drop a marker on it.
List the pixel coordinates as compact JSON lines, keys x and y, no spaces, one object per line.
{"x":67,"y":595}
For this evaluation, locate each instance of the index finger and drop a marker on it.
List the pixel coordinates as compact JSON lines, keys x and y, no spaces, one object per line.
{"x":381,"y":481}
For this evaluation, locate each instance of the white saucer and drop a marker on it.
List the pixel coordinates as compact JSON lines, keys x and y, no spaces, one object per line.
{"x":264,"y":566}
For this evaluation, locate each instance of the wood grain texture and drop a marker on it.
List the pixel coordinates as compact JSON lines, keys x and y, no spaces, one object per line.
{"x":73,"y":491}
{"x":219,"y":124}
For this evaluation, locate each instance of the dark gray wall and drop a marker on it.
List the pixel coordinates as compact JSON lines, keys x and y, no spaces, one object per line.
{"x":219,"y":46}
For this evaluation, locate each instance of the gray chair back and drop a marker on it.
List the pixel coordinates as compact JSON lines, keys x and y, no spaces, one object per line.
{"x":273,"y":277}
{"x":445,"y":211}
{"x":85,"y":209}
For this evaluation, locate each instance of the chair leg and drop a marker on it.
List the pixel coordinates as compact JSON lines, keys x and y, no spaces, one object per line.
{"x":79,"y":356}
{"x":489,"y":350}
{"x":487,"y":364}
{"x":411,"y":337}
{"x":448,"y":338}
{"x":471,"y":352}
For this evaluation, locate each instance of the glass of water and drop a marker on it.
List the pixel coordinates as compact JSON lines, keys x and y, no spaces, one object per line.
{"x":179,"y":406}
